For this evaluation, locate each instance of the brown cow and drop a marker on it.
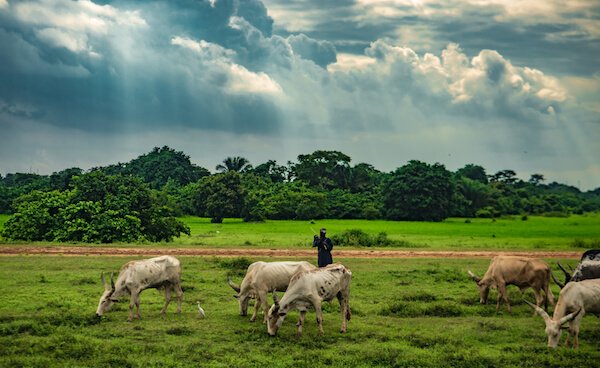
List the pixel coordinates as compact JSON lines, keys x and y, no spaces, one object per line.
{"x":519,"y":271}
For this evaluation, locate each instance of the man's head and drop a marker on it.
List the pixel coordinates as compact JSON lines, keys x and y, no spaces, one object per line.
{"x":323,"y":232}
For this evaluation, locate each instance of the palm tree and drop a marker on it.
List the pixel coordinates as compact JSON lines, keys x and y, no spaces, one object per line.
{"x":237,"y":163}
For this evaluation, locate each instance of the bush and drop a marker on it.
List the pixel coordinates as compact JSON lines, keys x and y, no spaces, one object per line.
{"x":100,"y":208}
{"x":358,"y":238}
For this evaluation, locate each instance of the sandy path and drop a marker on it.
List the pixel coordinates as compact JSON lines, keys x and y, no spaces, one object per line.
{"x":249,"y":252}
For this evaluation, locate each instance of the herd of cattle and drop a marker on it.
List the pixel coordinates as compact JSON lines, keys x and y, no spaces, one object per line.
{"x":307,"y":286}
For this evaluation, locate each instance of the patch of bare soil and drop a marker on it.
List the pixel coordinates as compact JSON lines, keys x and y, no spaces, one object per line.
{"x":249,"y":252}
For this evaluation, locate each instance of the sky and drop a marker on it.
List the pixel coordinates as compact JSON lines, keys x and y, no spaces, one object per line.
{"x":497,"y":83}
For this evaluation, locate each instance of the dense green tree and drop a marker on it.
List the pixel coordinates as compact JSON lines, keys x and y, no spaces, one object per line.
{"x":472,"y":196}
{"x":237,"y":164}
{"x":270,"y":169}
{"x":504,"y":176}
{"x":324,"y":169}
{"x":418,"y":191}
{"x":473,"y":172}
{"x":36,"y":216}
{"x":219,"y":196}
{"x":364,"y":178}
{"x":15,"y":185}
{"x":159,"y":166}
{"x":62,"y":180}
{"x":536,"y":179}
{"x":100,"y":208}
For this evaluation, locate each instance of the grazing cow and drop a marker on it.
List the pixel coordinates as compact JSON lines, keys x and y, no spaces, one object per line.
{"x":136,"y":276}
{"x":519,"y":271}
{"x":312,"y":288}
{"x":263,"y":277}
{"x":588,"y":268}
{"x":575,"y":300}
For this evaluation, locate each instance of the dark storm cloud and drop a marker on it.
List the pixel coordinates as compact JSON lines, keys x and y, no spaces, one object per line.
{"x":321,"y":52}
{"x":127,"y":76}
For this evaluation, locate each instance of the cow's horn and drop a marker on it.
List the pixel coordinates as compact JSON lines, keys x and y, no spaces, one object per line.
{"x":233,"y":286}
{"x":475,"y":278}
{"x":569,"y":317}
{"x":275,"y":298}
{"x":102,"y":278}
{"x":112,"y":283}
{"x":556,"y":281}
{"x":538,"y":310}
{"x":567,"y":274}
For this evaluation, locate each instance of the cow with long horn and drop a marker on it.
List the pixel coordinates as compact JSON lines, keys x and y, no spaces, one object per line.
{"x":575,"y":300}
{"x":312,"y":288}
{"x":260,"y":279}
{"x":588,"y":268}
{"x":519,"y":271}
{"x":134,"y":277}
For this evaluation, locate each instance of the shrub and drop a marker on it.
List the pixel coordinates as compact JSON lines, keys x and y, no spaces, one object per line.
{"x":358,"y":238}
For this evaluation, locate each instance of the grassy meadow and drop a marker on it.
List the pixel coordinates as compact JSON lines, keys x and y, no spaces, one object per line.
{"x":406,"y":313}
{"x":509,"y":233}
{"x":576,"y":232}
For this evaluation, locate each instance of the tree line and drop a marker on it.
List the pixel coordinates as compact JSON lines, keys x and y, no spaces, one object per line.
{"x":141,"y":199}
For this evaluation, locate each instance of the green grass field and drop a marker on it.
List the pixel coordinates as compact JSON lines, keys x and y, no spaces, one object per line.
{"x":406,"y":313}
{"x":576,"y":232}
{"x":508,"y":233}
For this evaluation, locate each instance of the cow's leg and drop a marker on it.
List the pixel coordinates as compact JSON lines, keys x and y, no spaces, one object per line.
{"x":319,"y":312}
{"x":179,"y":293}
{"x":300,"y":322}
{"x":167,"y":299}
{"x":137,"y":305}
{"x":265,"y":306}
{"x":257,"y":304}
{"x":574,"y":330}
{"x":133,"y":301}
{"x":502,"y":294}
{"x":549,"y":296}
{"x":345,"y":309}
{"x":539,"y":300}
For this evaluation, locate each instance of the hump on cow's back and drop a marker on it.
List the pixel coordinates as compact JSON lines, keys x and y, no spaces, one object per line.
{"x":592,"y":254}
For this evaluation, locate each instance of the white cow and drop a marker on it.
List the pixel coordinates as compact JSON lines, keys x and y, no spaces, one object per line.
{"x":262,"y":278}
{"x":136,"y":276}
{"x":312,"y":288}
{"x":575,"y":300}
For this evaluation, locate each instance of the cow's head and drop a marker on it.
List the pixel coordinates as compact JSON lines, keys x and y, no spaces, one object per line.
{"x":106,"y":300}
{"x":483,"y":286}
{"x":553,"y":328}
{"x":243,"y":298}
{"x":275,"y":317}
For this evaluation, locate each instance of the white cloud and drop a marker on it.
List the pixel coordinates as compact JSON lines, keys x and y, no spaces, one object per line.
{"x":244,"y":81}
{"x":3,"y":4}
{"x":59,"y":38}
{"x":206,"y":50}
{"x":348,"y":62}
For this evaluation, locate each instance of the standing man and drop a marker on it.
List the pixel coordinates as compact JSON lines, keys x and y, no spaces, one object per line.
{"x":324,"y":245}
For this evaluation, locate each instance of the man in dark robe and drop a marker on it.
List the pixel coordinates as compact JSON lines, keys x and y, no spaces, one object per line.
{"x":324,"y":245}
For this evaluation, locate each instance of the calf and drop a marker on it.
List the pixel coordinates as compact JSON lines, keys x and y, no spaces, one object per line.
{"x":575,"y":300}
{"x":136,"y":276}
{"x":312,"y":288}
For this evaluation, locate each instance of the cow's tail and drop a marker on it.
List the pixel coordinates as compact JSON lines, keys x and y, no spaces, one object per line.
{"x":233,"y":286}
{"x":348,"y":314}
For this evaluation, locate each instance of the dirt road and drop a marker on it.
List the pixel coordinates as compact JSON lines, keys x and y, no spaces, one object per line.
{"x":249,"y":252}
